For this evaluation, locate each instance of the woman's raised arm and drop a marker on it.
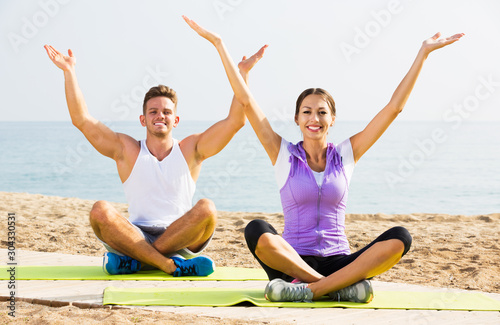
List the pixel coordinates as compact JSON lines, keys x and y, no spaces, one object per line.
{"x":362,"y":141}
{"x":269,"y":139}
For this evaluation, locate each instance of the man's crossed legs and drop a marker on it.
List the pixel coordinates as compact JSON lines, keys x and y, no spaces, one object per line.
{"x":188,"y":235}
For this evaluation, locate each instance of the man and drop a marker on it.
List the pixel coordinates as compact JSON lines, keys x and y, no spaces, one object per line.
{"x":158,"y":174}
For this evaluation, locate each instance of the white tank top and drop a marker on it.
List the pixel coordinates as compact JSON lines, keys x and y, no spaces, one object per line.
{"x":159,"y":192}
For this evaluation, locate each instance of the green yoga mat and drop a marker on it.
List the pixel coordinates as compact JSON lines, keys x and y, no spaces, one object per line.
{"x":96,"y":273}
{"x":222,"y":297}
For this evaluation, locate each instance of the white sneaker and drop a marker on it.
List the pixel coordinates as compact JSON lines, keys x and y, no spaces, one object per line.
{"x":280,"y":290}
{"x":361,"y":291}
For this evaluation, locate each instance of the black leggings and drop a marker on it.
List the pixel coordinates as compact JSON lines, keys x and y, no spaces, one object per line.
{"x":323,"y":265}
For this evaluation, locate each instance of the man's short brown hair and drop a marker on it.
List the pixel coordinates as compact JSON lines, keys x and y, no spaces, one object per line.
{"x":159,"y":91}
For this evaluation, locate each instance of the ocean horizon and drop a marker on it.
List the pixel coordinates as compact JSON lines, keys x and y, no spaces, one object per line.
{"x":415,"y":167}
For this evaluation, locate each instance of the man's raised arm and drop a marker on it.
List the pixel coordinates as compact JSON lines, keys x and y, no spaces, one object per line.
{"x":99,"y":135}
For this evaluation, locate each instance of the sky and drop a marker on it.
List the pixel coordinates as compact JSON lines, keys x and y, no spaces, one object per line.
{"x":357,"y":50}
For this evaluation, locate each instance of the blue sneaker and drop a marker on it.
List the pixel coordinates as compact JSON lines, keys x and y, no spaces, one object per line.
{"x":116,"y":264}
{"x":199,"y":266}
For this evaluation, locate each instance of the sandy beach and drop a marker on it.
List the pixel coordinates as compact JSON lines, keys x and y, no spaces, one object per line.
{"x":451,"y":251}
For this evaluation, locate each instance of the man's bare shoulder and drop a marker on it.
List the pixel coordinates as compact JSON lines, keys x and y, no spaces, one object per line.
{"x":188,"y":147}
{"x":188,"y":144}
{"x":130,"y":146}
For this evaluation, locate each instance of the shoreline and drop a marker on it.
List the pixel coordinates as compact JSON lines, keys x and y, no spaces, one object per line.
{"x":355,"y":214}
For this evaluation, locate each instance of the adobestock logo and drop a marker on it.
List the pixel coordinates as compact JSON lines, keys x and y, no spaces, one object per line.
{"x":453,"y":117}
{"x":484,"y":89}
{"x":31,"y":27}
{"x":372,"y":28}
{"x":134,"y":98}
{"x":247,"y":151}
{"x":121,"y":108}
{"x":222,"y":7}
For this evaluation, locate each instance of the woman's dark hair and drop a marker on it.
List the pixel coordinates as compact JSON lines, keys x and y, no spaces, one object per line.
{"x":316,"y":91}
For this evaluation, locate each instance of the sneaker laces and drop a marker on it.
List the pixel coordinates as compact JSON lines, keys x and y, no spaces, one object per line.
{"x":189,"y":269}
{"x":352,"y":292}
{"x":347,"y":293}
{"x":295,"y":293}
{"x":125,"y":263}
{"x":197,"y":266}
{"x":185,"y":267}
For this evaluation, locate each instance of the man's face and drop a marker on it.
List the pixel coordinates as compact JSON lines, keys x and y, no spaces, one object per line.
{"x":160,"y":116}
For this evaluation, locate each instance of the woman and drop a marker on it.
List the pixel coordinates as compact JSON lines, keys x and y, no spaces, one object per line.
{"x":313,"y":176}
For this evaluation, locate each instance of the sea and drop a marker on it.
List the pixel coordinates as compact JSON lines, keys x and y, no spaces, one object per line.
{"x":415,"y":167}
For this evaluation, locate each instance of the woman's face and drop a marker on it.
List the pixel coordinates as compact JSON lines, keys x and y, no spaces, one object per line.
{"x":315,"y":117}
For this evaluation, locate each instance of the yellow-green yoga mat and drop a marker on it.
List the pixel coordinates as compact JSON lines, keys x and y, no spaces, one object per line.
{"x":221,"y":297}
{"x":96,"y":273}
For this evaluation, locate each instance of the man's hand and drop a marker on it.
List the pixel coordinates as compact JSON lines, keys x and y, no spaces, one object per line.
{"x":63,"y":62}
{"x":247,"y":64}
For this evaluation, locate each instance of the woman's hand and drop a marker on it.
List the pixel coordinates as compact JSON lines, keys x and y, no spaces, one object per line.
{"x":62,"y":61}
{"x":208,"y":35}
{"x":435,"y":42}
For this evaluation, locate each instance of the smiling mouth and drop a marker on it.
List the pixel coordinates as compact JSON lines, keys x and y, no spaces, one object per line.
{"x":160,"y":123}
{"x":314,"y":128}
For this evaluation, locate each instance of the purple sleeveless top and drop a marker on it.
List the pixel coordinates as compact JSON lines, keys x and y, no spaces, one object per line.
{"x":315,"y":215}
